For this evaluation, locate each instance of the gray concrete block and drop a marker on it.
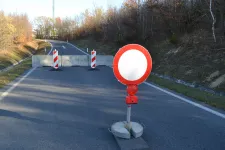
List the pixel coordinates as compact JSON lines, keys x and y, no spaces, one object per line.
{"x":132,"y":144}
{"x":43,"y":60}
{"x":118,"y":129}
{"x":136,"y":130}
{"x":75,"y":60}
{"x":71,"y":60}
{"x":104,"y":60}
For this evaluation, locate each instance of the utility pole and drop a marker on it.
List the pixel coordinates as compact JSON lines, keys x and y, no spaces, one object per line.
{"x":53,"y":9}
{"x":53,"y":16}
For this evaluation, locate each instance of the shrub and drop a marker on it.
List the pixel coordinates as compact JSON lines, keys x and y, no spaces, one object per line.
{"x":173,"y":39}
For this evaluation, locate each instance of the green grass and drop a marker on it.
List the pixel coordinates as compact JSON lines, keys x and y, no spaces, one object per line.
{"x":13,"y":73}
{"x":201,"y":96}
{"x":8,"y":76}
{"x":41,"y":48}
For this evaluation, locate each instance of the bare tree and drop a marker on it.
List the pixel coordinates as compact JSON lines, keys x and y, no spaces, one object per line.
{"x":214,"y":21}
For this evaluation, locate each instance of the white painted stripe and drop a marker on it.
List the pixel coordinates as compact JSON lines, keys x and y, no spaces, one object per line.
{"x":63,"y":47}
{"x":188,"y":101}
{"x":51,"y":48}
{"x":78,"y":49}
{"x":4,"y":94}
{"x":14,"y":85}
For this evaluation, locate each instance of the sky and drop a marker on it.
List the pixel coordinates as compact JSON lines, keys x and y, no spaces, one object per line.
{"x":63,"y":8}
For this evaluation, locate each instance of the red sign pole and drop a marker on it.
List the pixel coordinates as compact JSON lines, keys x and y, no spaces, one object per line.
{"x":136,"y":73}
{"x":131,"y":99}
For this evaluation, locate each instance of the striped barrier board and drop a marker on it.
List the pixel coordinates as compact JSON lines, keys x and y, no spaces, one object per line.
{"x":55,"y":59}
{"x":93,"y":59}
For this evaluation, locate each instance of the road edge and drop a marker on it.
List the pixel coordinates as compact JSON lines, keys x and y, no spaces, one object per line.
{"x":15,"y":84}
{"x":176,"y":95}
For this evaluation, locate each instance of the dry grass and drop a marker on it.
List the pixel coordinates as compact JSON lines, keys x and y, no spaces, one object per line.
{"x":19,"y":52}
{"x":194,"y":60}
{"x":208,"y":98}
{"x":10,"y":75}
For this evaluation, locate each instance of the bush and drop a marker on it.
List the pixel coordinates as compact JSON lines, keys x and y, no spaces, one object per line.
{"x":173,"y":39}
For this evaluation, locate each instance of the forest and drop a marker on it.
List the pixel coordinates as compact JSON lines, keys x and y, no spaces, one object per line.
{"x":14,"y":29}
{"x":139,"y":21}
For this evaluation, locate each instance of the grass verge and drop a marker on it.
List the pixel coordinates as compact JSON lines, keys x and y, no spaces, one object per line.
{"x":41,"y":48}
{"x":10,"y":75}
{"x":21,"y":51}
{"x":204,"y":97}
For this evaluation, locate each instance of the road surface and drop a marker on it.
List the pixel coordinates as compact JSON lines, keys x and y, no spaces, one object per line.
{"x":72,"y":109}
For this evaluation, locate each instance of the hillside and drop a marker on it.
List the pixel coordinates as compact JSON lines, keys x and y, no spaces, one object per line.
{"x":195,"y":59}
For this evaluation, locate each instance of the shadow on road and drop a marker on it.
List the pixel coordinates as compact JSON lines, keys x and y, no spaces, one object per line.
{"x":7,"y":113}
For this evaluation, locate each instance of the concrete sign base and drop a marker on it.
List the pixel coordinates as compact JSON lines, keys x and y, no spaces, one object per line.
{"x":119,"y":130}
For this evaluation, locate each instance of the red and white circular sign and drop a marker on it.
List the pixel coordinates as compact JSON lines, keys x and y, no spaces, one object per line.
{"x":132,"y":64}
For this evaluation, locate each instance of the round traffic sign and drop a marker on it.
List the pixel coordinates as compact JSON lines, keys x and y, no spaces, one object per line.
{"x":132,"y":64}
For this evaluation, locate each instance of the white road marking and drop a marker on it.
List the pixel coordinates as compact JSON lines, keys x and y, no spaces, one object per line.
{"x":14,"y":85}
{"x":4,"y":94}
{"x":188,"y":101}
{"x":177,"y":96}
{"x":78,"y":49}
{"x":51,"y":48}
{"x":64,"y":47}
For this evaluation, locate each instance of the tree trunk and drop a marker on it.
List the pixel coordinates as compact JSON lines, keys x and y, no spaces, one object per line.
{"x":214,"y":21}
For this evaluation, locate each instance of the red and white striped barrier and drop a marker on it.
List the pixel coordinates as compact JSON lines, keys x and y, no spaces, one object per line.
{"x":55,"y":59}
{"x":93,"y":59}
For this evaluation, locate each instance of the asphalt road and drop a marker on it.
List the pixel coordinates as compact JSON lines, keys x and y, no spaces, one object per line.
{"x":72,"y":109}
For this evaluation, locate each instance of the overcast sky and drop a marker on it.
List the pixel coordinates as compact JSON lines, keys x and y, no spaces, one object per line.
{"x":63,"y":8}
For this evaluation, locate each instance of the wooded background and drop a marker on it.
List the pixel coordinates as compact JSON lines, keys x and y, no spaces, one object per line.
{"x":14,"y":29}
{"x":138,"y":21}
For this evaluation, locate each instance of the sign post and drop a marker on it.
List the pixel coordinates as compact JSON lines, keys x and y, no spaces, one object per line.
{"x":93,"y":59}
{"x":132,"y":65}
{"x":55,"y":60}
